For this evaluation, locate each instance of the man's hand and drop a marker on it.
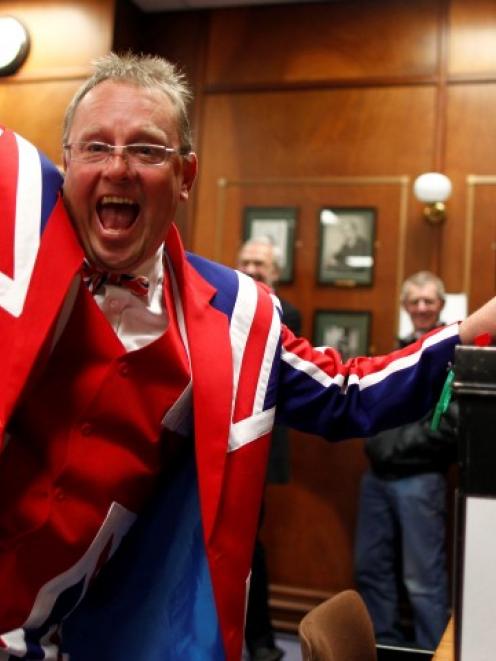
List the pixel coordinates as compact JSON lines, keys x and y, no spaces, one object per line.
{"x":481,"y":321}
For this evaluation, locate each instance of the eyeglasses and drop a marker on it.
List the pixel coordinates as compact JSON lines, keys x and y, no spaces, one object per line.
{"x":136,"y":154}
{"x":427,"y":302}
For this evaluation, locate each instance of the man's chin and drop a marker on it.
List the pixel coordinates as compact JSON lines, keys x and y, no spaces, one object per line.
{"x":425,"y":328}
{"x":113,"y":262}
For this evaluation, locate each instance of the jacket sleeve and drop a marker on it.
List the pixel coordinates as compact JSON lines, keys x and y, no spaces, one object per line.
{"x":318,"y":393}
{"x":416,"y":445}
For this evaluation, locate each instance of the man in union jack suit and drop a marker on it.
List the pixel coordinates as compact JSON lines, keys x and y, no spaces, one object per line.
{"x":139,"y":387}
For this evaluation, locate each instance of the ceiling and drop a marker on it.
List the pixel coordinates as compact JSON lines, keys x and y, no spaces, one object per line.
{"x":169,"y":5}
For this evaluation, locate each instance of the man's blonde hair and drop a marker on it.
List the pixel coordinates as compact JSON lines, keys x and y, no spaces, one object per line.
{"x":147,"y":71}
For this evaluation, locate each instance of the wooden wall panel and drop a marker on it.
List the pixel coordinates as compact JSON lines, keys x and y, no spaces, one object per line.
{"x":468,"y":151}
{"x":472,"y":44}
{"x":482,"y":246}
{"x":339,"y":40}
{"x":310,"y":522}
{"x":36,"y":111}
{"x":310,"y":133}
{"x":129,"y":27}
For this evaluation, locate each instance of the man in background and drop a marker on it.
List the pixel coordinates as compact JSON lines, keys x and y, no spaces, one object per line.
{"x":401,"y":533}
{"x":261,"y":259}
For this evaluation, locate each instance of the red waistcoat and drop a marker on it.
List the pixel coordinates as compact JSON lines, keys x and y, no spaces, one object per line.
{"x":86,"y":439}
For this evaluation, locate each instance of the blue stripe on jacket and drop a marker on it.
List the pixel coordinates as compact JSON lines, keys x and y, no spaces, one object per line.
{"x":154,"y":600}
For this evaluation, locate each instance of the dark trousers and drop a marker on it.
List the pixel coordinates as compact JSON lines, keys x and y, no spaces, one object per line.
{"x":406,"y":518}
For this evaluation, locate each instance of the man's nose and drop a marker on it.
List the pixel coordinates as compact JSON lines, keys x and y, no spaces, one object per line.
{"x":117,"y":163}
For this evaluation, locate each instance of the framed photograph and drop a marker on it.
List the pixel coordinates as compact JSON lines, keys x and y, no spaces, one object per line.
{"x":279,"y":225}
{"x":345,"y":330}
{"x":346,"y":246}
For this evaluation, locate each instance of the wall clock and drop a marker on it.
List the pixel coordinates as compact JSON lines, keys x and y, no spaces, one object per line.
{"x":14,"y":45}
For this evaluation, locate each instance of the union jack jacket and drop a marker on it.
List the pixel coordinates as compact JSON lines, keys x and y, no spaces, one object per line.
{"x":176,"y":588}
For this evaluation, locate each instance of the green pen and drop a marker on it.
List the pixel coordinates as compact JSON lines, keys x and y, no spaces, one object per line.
{"x":444,"y":400}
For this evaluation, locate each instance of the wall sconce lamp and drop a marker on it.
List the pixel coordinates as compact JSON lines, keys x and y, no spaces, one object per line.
{"x":14,"y":45}
{"x":433,"y":188}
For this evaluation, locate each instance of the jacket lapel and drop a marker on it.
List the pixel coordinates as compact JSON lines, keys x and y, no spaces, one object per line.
{"x":211,"y":366}
{"x":58,"y":261}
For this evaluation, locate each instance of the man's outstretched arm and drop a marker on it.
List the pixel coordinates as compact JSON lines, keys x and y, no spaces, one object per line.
{"x":481,"y":321}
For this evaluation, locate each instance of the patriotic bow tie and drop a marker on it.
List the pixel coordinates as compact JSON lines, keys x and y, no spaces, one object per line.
{"x":95,"y":278}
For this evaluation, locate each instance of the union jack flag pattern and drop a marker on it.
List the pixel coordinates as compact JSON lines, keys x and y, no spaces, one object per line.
{"x":34,"y":228}
{"x":176,"y":587}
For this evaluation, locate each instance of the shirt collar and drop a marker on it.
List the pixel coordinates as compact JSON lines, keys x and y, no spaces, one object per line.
{"x":153,"y":269}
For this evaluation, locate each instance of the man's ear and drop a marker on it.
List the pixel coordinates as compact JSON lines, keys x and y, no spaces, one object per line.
{"x":190,"y":168}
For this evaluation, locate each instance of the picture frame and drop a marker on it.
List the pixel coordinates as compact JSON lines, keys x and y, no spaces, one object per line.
{"x":348,"y":331}
{"x":279,"y":225}
{"x":346,"y":246}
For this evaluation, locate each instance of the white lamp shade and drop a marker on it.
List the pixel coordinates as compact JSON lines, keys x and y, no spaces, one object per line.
{"x":432,"y":187}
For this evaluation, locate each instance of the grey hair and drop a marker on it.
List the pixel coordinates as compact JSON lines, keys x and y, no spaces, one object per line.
{"x":420,"y":279}
{"x":147,"y":71}
{"x":266,"y":241}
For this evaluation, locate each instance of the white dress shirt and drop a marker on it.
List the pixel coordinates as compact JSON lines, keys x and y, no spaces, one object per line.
{"x":137,"y":320}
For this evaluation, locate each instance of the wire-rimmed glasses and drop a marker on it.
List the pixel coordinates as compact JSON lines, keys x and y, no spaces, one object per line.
{"x":136,"y":153}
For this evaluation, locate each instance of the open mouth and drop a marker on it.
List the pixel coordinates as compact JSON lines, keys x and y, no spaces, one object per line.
{"x":117,"y":213}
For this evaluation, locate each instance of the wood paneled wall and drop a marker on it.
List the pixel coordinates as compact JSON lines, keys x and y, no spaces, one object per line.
{"x":289,"y":100}
{"x":65,"y":37}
